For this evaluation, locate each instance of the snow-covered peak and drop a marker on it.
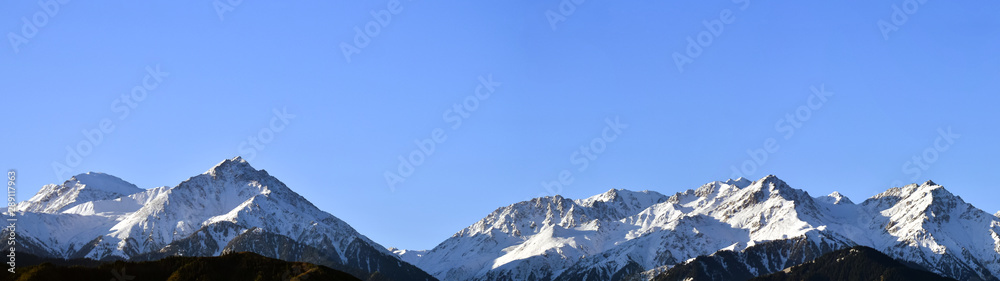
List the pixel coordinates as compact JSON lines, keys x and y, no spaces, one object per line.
{"x":231,"y":167}
{"x":79,"y":189}
{"x":581,"y":239}
{"x":928,"y":188}
{"x":105,"y":182}
{"x":914,"y":200}
{"x":231,"y":207}
{"x":231,"y":192}
{"x":619,"y":203}
{"x":997,"y":214}
{"x":772,"y":186}
{"x":635,"y":199}
{"x":610,"y":195}
{"x":835,"y":198}
{"x":740,"y":182}
{"x":773,"y":181}
{"x":410,"y":256}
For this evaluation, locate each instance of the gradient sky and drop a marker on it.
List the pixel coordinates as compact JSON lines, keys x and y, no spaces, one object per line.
{"x":226,"y":75}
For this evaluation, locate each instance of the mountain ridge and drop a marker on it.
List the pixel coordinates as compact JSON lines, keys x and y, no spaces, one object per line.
{"x":561,"y":239}
{"x":747,"y":228}
{"x":231,"y":207}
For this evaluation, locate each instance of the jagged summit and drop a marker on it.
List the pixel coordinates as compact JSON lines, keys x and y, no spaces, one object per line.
{"x":102,"y":181}
{"x":836,"y":198}
{"x":235,"y":166}
{"x":610,"y":195}
{"x":913,"y":192}
{"x":78,"y":189}
{"x":773,"y":180}
{"x":740,"y":182}
{"x":232,"y":207}
{"x":775,"y":186}
{"x":612,"y":234}
{"x":613,"y":195}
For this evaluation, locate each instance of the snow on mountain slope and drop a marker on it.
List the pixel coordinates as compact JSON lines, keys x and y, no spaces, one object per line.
{"x":620,"y":233}
{"x":118,"y":206}
{"x":409,"y":256}
{"x":78,"y":189}
{"x":696,"y":222}
{"x":616,"y":204}
{"x":835,"y":198}
{"x":534,"y":240}
{"x":924,"y":225}
{"x":929,"y":225}
{"x":230,"y":207}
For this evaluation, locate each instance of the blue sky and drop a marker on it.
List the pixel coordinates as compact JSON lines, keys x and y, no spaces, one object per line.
{"x":198,"y":85}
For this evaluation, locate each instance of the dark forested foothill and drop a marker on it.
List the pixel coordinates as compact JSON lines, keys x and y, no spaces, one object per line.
{"x":235,"y":266}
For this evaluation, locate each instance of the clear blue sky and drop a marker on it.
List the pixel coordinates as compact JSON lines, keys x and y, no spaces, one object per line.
{"x":224,"y":77}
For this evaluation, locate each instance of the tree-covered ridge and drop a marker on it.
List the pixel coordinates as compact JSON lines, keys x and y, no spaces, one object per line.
{"x":235,"y":266}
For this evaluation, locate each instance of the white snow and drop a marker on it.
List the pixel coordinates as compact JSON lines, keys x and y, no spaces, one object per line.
{"x":919,"y":223}
{"x":77,"y":190}
{"x":126,"y":219}
{"x":923,"y":223}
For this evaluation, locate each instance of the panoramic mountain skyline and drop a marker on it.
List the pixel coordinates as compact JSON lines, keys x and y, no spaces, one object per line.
{"x":231,"y":207}
{"x":736,"y":228}
{"x":491,"y":103}
{"x":114,"y":187}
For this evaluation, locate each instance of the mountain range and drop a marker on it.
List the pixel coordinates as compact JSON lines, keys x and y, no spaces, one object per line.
{"x":232,"y":207}
{"x":737,"y":227}
{"x":734,"y":229}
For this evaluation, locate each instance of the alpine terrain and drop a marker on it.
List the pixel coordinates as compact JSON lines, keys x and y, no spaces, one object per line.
{"x":734,"y":230}
{"x":723,"y":230}
{"x":232,"y":207}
